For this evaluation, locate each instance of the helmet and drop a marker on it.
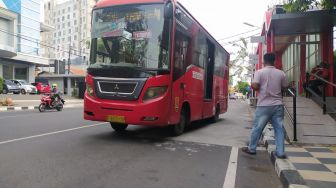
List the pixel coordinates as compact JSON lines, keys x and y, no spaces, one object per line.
{"x":54,"y":85}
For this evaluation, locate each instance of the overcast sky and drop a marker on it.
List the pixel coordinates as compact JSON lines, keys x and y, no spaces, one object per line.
{"x":225,"y":18}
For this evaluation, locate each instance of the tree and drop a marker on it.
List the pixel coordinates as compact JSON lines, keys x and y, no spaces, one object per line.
{"x":236,"y":65}
{"x":242,"y":87}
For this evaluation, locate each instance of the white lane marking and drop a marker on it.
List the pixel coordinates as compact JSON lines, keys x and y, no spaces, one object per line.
{"x":30,"y":107}
{"x":230,"y":177}
{"x":50,"y":133}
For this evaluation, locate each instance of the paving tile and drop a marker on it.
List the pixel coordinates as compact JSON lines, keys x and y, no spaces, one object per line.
{"x":323,"y":155}
{"x":327,"y":160}
{"x":318,"y":175}
{"x":312,"y":167}
{"x":299,"y":154}
{"x":331,"y":167}
{"x":320,"y":184}
{"x":292,"y":149}
{"x":310,"y":160}
{"x":322,"y":149}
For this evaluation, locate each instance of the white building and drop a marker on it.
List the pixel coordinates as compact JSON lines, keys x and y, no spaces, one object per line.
{"x":71,"y":21}
{"x":20,"y":38}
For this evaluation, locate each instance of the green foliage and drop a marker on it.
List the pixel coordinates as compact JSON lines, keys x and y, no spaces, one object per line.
{"x":298,"y":5}
{"x":242,"y":87}
{"x":328,"y":4}
{"x":1,"y":84}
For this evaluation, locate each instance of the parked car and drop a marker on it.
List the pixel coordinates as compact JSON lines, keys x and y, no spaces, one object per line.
{"x":10,"y":87}
{"x":41,"y":87}
{"x":25,"y":87}
{"x":233,"y":96}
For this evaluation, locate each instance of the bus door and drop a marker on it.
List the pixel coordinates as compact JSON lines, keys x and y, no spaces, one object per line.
{"x":179,"y":68}
{"x":208,"y":105}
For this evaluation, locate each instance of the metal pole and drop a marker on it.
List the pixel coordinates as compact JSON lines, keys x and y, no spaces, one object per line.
{"x":324,"y":100}
{"x":69,"y":57}
{"x":294,"y":117}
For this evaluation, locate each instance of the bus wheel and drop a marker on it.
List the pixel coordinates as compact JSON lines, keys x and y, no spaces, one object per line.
{"x":119,"y":127}
{"x":178,"y":128}
{"x":215,"y":118}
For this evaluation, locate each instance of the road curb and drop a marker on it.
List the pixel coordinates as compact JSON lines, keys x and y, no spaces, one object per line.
{"x":20,"y":108}
{"x":289,"y":176}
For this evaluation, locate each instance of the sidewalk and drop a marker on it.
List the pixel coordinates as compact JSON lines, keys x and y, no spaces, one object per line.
{"x":30,"y":102}
{"x":308,"y":165}
{"x":311,"y":166}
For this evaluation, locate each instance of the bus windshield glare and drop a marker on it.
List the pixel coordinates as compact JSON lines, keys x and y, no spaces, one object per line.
{"x":135,"y":36}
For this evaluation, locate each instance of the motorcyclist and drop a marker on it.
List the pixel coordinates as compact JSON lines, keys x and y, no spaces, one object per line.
{"x":55,"y":94}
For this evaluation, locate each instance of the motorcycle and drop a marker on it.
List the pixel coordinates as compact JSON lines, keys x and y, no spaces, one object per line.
{"x":47,"y":103}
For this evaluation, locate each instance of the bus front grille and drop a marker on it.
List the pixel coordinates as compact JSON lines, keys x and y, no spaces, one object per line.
{"x":116,"y":87}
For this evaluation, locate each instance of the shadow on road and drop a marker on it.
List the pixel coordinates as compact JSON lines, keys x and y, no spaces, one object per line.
{"x":151,"y":134}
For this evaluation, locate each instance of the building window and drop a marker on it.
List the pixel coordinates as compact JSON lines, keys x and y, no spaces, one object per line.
{"x":75,"y":22}
{"x":63,"y":25}
{"x":62,"y":18}
{"x":69,"y":38}
{"x":69,"y":31}
{"x":74,"y":15}
{"x":48,"y":5}
{"x":68,"y":16}
{"x":64,"y":32}
{"x":75,"y":37}
{"x":63,"y":11}
{"x":58,"y":20}
{"x":59,"y":33}
{"x":55,"y":34}
{"x":68,"y":24}
{"x":69,"y":9}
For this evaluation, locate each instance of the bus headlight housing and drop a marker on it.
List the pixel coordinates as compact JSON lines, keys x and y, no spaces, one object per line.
{"x":154,"y":92}
{"x":89,"y":90}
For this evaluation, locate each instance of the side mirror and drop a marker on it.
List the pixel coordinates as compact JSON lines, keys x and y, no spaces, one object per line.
{"x":168,"y":10}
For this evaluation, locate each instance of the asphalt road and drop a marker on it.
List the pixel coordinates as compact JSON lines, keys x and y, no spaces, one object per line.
{"x":60,"y":149}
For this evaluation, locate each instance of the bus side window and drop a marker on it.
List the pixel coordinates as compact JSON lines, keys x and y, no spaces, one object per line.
{"x":180,"y":55}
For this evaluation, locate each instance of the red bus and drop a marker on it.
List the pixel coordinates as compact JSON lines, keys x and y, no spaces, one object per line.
{"x":153,"y":64}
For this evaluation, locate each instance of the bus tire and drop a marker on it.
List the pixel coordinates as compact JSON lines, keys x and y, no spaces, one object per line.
{"x":215,"y":118}
{"x":119,"y":127}
{"x":178,"y":128}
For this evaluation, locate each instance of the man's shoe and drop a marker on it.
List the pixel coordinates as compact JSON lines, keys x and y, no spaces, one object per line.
{"x":279,"y":156}
{"x":247,"y":150}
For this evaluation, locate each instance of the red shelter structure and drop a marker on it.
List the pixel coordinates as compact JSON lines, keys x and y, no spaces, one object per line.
{"x":300,"y":41}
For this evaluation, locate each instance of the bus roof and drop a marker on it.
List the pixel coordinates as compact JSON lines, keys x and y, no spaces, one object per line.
{"x":107,"y":3}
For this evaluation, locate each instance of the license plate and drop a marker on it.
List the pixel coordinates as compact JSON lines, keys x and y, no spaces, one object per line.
{"x":116,"y":119}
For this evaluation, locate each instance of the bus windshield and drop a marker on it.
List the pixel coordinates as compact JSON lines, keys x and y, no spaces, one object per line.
{"x":135,"y":36}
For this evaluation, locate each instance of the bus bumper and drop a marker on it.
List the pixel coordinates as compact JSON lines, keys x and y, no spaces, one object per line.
{"x":151,"y":113}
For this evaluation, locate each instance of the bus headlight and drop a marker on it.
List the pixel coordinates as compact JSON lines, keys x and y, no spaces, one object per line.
{"x":89,"y":90}
{"x":154,"y":92}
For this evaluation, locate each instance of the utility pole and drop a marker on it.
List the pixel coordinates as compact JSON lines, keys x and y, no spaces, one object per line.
{"x":69,"y":58}
{"x":69,"y":61}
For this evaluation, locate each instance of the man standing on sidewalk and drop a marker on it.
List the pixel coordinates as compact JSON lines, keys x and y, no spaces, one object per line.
{"x":269,"y":82}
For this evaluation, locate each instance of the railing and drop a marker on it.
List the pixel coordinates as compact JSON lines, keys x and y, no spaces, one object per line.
{"x":292,"y":117}
{"x":320,"y":99}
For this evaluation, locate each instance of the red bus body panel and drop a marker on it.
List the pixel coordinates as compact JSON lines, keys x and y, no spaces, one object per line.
{"x":188,"y":89}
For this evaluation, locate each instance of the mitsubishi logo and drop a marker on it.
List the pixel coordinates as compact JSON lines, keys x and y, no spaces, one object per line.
{"x":116,"y":87}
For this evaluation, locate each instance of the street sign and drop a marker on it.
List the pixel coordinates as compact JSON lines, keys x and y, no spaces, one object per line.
{"x":254,"y":57}
{"x":258,"y":39}
{"x":253,"y":62}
